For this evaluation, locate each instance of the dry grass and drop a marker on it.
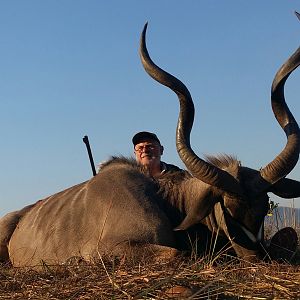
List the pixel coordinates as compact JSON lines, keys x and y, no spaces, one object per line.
{"x":209,"y":277}
{"x":187,"y":278}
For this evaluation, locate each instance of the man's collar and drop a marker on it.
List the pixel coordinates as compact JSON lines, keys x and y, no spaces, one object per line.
{"x":163,"y":167}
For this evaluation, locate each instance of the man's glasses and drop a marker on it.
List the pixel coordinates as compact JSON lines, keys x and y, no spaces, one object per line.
{"x":142,"y":148}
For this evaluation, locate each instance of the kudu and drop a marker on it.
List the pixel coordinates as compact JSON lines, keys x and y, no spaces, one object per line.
{"x":122,"y":211}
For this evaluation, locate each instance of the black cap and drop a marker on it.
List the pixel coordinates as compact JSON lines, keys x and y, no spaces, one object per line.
{"x":143,"y":136}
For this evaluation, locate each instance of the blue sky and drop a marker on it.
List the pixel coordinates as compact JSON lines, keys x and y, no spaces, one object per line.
{"x":71,"y":68}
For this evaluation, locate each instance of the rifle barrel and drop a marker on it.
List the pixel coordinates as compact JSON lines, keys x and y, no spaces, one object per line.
{"x":87,"y":144}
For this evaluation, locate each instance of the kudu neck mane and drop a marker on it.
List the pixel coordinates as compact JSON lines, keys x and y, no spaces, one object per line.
{"x":115,"y":161}
{"x":226,"y":162}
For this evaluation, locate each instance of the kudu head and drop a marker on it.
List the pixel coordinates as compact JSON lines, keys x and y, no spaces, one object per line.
{"x":243,"y":193}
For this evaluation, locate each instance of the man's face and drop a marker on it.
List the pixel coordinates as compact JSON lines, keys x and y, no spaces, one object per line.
{"x":148,"y":152}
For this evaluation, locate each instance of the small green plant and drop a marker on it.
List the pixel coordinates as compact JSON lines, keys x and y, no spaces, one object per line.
{"x":272,"y":207}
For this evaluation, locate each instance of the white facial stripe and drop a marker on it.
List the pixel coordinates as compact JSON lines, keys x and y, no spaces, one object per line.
{"x":260,"y":232}
{"x":249,"y":234}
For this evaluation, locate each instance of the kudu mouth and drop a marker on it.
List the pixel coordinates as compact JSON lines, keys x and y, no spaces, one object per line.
{"x":208,"y":173}
{"x":198,"y":167}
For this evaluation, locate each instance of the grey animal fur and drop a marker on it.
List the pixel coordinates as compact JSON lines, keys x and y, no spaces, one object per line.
{"x":123,"y":211}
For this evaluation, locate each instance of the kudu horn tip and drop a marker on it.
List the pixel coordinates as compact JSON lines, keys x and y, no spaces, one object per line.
{"x":143,"y":35}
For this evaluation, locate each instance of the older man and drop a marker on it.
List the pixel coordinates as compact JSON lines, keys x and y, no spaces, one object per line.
{"x":148,"y":151}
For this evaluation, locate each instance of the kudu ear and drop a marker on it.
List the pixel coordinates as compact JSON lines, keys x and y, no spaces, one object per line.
{"x":189,"y":221}
{"x":197,"y":211}
{"x":286,"y":188}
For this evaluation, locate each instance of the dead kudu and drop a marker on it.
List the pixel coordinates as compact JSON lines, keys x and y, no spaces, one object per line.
{"x":122,"y":211}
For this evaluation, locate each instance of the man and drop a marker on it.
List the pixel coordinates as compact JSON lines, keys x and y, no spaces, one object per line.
{"x":148,"y":151}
